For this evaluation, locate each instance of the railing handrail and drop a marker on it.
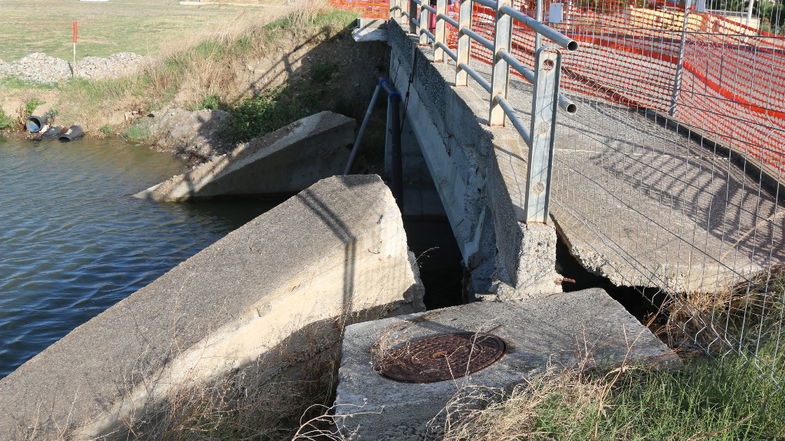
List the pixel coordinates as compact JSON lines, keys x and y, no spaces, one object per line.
{"x":545,"y":78}
{"x":544,"y":30}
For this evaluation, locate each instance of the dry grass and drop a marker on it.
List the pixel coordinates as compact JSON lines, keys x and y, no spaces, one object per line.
{"x":742,"y":318}
{"x":249,"y":56}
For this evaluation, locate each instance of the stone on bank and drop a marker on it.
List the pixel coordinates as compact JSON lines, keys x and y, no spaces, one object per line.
{"x":280,"y":289}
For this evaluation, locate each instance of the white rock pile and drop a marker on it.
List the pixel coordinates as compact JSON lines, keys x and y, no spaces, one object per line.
{"x":42,"y":68}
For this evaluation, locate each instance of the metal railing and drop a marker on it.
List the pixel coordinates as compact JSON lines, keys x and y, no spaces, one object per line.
{"x":540,"y":135}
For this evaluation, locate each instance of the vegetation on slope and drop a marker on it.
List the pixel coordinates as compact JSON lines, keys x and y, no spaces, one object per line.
{"x":266,"y":74}
{"x":736,"y":393}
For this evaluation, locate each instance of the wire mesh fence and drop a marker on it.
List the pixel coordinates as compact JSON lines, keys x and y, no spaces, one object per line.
{"x":679,"y":137}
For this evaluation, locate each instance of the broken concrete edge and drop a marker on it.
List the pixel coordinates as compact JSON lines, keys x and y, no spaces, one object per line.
{"x":577,"y":330}
{"x":478,"y":171}
{"x":279,"y":289}
{"x":670,"y":279}
{"x":284,"y":161}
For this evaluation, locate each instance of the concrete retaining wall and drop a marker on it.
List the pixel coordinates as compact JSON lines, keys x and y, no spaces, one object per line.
{"x":479,"y":173}
{"x":280,"y":289}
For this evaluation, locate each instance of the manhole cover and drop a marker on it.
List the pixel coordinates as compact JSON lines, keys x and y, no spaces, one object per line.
{"x":441,"y":357}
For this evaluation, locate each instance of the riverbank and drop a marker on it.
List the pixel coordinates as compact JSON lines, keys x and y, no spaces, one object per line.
{"x":253,"y":80}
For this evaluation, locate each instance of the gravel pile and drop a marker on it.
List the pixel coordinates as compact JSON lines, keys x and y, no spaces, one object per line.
{"x":42,"y":68}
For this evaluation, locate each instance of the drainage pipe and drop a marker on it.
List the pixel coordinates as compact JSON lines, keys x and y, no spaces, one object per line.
{"x":74,"y":132}
{"x":52,"y":133}
{"x":35,"y":124}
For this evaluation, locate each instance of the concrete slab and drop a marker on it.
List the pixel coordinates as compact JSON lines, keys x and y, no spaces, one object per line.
{"x":264,"y":305}
{"x":370,"y":29}
{"x":558,"y":330}
{"x":282,"y":162}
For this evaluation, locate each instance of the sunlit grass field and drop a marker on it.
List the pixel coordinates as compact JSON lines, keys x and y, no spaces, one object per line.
{"x":142,"y":26}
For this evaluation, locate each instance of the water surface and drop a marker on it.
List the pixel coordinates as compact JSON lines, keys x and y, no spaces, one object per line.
{"x":73,"y":241}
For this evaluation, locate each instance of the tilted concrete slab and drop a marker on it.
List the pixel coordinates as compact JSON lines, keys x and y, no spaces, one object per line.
{"x":279,"y":289}
{"x":560,"y":330}
{"x":282,"y":162}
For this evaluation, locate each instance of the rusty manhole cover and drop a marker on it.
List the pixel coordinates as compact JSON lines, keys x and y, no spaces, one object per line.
{"x":441,"y":357}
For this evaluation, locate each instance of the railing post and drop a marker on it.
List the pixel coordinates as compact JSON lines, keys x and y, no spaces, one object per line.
{"x":424,"y":19}
{"x":412,"y":15}
{"x":464,"y":43}
{"x":438,"y":53}
{"x":545,"y":101}
{"x":500,"y":77}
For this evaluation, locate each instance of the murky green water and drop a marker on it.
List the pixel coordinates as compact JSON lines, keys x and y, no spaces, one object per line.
{"x":73,"y":241}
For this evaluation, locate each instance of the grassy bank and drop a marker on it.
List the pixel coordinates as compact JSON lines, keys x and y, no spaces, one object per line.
{"x":266,"y":74}
{"x":706,"y":400}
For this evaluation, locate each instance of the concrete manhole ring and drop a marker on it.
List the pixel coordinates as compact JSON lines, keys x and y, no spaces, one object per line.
{"x":441,"y":357}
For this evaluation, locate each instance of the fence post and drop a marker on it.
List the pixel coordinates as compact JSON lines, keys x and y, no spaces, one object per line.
{"x":438,"y":52}
{"x":680,"y":62}
{"x":538,"y":15}
{"x":425,"y":20}
{"x":545,"y":102}
{"x":500,"y":77}
{"x":464,"y":43}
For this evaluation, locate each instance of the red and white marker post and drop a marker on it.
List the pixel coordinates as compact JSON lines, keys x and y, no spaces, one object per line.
{"x":75,"y":26}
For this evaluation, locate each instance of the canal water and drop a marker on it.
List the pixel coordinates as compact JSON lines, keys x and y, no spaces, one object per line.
{"x":73,"y":241}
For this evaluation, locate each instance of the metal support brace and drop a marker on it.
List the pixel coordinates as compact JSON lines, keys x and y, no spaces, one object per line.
{"x":438,"y":53}
{"x":501,"y":70}
{"x":545,"y":100}
{"x":464,"y":43}
{"x":425,"y":21}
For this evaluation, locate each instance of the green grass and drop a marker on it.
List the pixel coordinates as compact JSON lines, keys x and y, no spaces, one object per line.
{"x":6,"y":121}
{"x":17,"y":83}
{"x":261,"y":114}
{"x":141,"y":26}
{"x":706,"y":400}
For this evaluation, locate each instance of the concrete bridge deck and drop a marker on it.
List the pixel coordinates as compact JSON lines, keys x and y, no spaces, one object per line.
{"x":637,"y":202}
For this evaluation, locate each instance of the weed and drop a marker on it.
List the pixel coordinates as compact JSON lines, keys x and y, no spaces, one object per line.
{"x":18,"y":83}
{"x":209,"y":102}
{"x":268,"y":111}
{"x":6,"y":121}
{"x":324,"y":71}
{"x":31,"y":105}
{"x":139,"y":131}
{"x":105,"y":130}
